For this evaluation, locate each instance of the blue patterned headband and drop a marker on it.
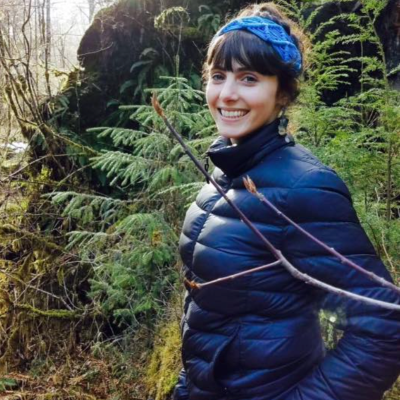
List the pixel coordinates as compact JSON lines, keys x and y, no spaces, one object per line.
{"x":271,"y":33}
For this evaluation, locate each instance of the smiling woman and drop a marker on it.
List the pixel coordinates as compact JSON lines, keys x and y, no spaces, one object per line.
{"x":258,"y":337}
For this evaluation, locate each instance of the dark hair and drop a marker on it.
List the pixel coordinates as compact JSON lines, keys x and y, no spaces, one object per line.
{"x":252,"y":52}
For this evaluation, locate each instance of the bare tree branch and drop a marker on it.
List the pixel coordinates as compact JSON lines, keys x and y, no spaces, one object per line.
{"x":16,"y":278}
{"x":197,"y":285}
{"x":277,"y":253}
{"x":251,"y":187}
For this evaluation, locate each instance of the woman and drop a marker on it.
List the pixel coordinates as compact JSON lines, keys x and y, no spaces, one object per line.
{"x":258,"y":337}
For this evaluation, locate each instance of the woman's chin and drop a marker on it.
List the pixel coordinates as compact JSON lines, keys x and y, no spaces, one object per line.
{"x":232,"y":138}
{"x":233,"y":134}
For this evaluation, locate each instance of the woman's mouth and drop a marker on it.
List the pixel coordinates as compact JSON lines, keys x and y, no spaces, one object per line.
{"x":232,"y":114}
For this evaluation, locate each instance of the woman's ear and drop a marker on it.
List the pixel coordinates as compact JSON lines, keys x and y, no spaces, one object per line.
{"x":282,"y":99}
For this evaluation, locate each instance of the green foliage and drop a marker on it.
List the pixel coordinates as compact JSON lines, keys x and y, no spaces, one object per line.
{"x":358,"y":135}
{"x":84,"y":207}
{"x":130,"y":239}
{"x":7,"y":384}
{"x":172,"y":18}
{"x":328,"y":324}
{"x":209,"y":20}
{"x":147,"y":69}
{"x":58,"y":107}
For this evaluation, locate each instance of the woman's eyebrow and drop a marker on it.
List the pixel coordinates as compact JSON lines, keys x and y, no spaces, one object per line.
{"x":219,"y":67}
{"x":238,"y":69}
{"x":243,"y":69}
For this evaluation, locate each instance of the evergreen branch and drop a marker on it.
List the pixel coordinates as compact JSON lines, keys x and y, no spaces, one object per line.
{"x":142,"y":224}
{"x":127,"y":167}
{"x":124,"y":136}
{"x":275,"y":252}
{"x":187,"y":189}
{"x":199,"y":93}
{"x":394,"y":71}
{"x":60,"y":197}
{"x":323,"y":25}
{"x":85,"y":238}
{"x":204,"y":132}
{"x":128,"y":107}
{"x":291,"y":9}
{"x":152,"y":145}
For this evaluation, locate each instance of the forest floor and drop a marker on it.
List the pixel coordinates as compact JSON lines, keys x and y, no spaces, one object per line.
{"x":81,"y":376}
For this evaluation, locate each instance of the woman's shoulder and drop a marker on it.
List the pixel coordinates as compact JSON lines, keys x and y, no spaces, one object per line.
{"x":312,"y":173}
{"x":317,"y":193}
{"x":295,"y":167}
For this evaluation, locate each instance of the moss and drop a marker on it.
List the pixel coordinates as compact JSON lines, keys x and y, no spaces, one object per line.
{"x":8,"y":229}
{"x":165,"y":362}
{"x":394,"y":392}
{"x":63,"y":314}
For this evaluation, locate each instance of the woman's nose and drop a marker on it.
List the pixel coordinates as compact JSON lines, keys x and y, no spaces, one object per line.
{"x":229,"y":91}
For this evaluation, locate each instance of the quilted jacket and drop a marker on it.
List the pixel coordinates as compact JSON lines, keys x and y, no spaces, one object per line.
{"x":258,"y":337}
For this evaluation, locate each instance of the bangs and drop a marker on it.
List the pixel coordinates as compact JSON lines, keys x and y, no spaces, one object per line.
{"x":247,"y":50}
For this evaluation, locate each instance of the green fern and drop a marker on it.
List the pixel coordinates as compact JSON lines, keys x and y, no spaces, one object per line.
{"x":130,"y":239}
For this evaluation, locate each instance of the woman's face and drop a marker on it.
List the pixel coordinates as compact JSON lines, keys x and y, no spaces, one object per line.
{"x":241,"y":101}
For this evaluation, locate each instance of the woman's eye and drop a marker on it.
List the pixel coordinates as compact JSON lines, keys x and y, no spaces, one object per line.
{"x":217,"y":77}
{"x":250,"y":79}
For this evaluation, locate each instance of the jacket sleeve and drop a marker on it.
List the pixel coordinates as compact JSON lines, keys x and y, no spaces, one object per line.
{"x":366,"y":361}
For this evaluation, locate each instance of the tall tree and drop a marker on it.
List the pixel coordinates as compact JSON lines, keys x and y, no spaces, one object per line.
{"x":48,"y":45}
{"x":92,"y":6}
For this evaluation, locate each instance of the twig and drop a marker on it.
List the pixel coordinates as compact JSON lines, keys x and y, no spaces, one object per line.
{"x":96,"y":51}
{"x":332,"y":289}
{"x":251,"y":187}
{"x":197,"y":285}
{"x":7,"y":178}
{"x":2,"y":271}
{"x":8,"y":229}
{"x":277,"y":254}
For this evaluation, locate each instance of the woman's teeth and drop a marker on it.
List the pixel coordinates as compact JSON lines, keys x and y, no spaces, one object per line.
{"x":232,"y":114}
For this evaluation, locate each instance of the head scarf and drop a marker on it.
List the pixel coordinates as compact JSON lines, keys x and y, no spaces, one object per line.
{"x":270,"y":32}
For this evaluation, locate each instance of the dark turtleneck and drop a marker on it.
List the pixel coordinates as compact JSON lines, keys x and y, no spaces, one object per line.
{"x":235,"y":159}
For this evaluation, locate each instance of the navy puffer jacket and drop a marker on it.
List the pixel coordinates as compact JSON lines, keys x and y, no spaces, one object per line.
{"x":258,"y":337}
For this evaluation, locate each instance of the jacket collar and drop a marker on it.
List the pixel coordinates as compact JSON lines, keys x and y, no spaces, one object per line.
{"x":234,"y":159}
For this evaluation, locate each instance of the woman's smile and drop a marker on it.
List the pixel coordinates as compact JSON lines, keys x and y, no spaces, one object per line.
{"x":232,"y":114}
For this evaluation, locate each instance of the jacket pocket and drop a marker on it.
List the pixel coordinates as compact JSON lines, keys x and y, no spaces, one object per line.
{"x":205,"y":373}
{"x":220,"y":360}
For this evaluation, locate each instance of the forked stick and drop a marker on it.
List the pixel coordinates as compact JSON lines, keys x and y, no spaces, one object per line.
{"x":281,"y":259}
{"x":251,"y":187}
